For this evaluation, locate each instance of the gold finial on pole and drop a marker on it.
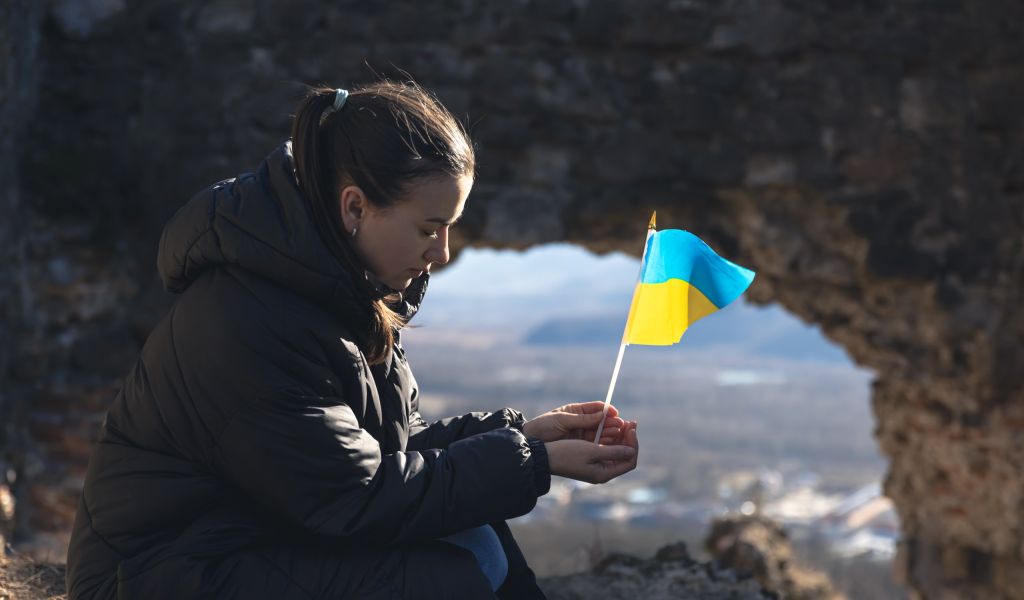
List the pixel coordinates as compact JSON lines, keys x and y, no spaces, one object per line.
{"x":652,"y":225}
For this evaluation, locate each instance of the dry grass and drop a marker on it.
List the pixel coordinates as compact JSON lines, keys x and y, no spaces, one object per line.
{"x":24,"y":579}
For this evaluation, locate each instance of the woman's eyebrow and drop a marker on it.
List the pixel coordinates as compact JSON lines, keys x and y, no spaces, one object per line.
{"x":443,"y":221}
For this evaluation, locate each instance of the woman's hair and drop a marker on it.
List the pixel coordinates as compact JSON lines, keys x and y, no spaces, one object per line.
{"x":386,"y":137}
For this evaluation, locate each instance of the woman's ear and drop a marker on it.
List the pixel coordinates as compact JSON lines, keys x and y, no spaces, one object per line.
{"x":353,"y":205}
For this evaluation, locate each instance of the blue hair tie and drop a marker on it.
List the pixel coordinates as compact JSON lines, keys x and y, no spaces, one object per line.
{"x":340,"y":96}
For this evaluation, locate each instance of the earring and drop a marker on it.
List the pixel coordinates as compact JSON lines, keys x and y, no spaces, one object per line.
{"x":354,"y":229}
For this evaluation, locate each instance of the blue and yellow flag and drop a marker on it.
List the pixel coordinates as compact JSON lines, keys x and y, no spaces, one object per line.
{"x":681,"y":280}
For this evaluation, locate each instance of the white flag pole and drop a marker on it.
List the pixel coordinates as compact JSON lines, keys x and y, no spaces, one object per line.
{"x":622,"y":346}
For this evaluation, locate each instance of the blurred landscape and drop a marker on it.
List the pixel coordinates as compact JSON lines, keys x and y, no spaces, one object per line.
{"x":753,"y":411}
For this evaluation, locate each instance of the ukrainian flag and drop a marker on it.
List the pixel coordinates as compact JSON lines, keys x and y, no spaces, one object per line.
{"x":681,"y":280}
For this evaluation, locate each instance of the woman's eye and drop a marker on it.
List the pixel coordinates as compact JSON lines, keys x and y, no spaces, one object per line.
{"x":431,"y":234}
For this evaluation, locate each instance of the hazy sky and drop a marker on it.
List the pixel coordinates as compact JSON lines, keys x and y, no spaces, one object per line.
{"x":586,"y":295}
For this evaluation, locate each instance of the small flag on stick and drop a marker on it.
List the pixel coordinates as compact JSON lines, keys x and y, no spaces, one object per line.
{"x":681,"y":280}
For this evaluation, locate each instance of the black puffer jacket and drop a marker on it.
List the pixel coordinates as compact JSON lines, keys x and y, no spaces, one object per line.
{"x":253,"y":453}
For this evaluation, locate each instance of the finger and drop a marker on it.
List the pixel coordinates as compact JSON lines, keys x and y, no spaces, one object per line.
{"x":588,"y":420}
{"x":629,"y":440}
{"x":595,"y":406}
{"x":615,"y":434}
{"x":610,"y":426}
{"x":629,"y":434}
{"x":589,"y":407}
{"x":609,"y":423}
{"x":612,"y":470}
{"x":621,"y":440}
{"x":613,"y":453}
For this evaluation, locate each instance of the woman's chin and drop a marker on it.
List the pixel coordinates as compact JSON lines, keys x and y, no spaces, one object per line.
{"x":399,"y":284}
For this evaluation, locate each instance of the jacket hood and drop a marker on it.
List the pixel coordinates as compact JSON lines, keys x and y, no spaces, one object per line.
{"x":260,"y":222}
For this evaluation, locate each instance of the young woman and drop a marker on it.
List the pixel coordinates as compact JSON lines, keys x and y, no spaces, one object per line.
{"x":268,"y":441}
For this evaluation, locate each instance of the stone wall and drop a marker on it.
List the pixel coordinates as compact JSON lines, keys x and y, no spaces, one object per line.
{"x":866,"y":158}
{"x":19,"y":42}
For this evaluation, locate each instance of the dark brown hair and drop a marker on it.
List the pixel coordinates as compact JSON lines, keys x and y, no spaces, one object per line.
{"x":386,"y":137}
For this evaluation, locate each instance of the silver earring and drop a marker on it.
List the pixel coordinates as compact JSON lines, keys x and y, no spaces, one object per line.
{"x":354,"y":229}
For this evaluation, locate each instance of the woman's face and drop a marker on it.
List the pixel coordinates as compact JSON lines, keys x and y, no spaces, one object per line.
{"x":403,"y":241}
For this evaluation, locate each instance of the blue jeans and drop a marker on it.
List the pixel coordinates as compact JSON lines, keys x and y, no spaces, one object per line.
{"x":483,"y":542}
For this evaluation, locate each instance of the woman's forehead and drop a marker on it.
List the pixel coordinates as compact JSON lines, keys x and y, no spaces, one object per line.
{"x":439,"y":199}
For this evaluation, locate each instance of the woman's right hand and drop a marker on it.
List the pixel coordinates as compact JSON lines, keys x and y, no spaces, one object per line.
{"x":593,"y":463}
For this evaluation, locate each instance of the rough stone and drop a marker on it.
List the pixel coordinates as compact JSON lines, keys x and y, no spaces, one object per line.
{"x":672,"y":573}
{"x":761,"y":547}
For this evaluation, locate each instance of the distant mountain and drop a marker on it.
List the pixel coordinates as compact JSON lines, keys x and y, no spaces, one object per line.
{"x":562,"y":295}
{"x":740,"y":328}
{"x":516,"y":291}
{"x":577,"y":331}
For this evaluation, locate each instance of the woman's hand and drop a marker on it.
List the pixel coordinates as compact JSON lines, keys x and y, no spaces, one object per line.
{"x":577,"y":421}
{"x":593,"y":463}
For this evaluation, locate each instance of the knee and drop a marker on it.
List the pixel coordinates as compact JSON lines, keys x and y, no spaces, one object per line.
{"x":483,"y":542}
{"x":444,"y":571}
{"x":495,"y":565}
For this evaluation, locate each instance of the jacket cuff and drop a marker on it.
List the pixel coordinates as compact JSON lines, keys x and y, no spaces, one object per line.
{"x":541,"y":466}
{"x":516,"y":419}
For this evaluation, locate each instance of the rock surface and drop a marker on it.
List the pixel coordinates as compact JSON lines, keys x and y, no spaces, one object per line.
{"x":24,"y":579}
{"x":670,"y":574}
{"x":19,"y":47}
{"x":761,"y":548}
{"x":866,"y":158}
{"x":753,"y":562}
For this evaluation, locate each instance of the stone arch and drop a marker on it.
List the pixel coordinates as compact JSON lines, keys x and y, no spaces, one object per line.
{"x":866,"y":159}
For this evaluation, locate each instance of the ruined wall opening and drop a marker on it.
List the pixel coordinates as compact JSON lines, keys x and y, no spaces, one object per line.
{"x":754,"y":411}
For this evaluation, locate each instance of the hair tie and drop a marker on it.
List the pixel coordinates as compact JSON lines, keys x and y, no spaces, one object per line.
{"x":340,"y":96}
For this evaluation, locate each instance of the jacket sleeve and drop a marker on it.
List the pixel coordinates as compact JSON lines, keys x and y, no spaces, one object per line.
{"x":307,"y":459}
{"x":441,"y":433}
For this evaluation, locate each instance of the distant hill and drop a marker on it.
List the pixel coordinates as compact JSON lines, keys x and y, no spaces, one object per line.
{"x":562,"y":295}
{"x":741,"y":329}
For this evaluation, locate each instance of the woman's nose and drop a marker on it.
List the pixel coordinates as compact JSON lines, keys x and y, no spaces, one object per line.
{"x":438,"y":251}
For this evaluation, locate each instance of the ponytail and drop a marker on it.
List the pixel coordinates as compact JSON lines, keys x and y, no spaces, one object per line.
{"x":314,"y":165}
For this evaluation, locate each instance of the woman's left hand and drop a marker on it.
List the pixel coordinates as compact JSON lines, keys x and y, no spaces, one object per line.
{"x":577,"y":421}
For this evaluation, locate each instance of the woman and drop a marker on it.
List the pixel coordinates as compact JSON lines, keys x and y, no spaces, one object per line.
{"x":267,"y":443}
